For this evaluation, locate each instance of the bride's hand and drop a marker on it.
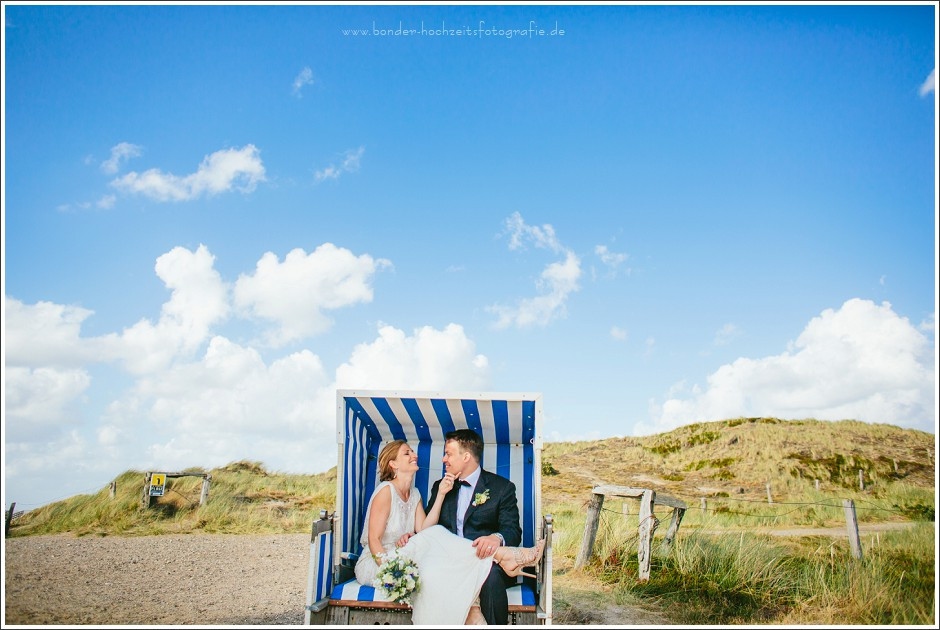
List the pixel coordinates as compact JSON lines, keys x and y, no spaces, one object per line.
{"x":403,"y":540}
{"x":447,"y":483}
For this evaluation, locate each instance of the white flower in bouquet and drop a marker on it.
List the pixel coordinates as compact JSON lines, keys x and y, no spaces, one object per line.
{"x":398,"y":578}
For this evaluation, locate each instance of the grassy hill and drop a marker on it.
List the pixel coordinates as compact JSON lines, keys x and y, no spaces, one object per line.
{"x":729,"y":564}
{"x":243,"y":498}
{"x":733,"y":460}
{"x":729,"y":461}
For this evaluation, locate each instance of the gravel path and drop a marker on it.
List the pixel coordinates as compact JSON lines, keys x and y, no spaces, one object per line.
{"x":201,"y":579}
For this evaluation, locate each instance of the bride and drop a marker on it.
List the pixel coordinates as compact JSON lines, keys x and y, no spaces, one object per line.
{"x":450,"y":572}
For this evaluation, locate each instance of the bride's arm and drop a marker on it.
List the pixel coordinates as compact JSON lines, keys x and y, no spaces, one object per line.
{"x":423,"y":521}
{"x":378,"y":519}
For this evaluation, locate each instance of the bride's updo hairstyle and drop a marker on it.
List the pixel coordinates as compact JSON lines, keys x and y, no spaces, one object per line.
{"x":389,"y":453}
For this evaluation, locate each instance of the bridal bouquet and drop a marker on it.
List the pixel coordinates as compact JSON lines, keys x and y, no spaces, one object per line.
{"x":398,"y":578}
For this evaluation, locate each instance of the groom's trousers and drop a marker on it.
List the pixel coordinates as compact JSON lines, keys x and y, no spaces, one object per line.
{"x":494,"y":603}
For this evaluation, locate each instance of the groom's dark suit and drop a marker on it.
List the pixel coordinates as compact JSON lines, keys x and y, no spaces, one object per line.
{"x":499,"y":513}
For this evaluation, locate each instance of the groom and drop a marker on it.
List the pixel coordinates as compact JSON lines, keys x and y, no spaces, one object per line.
{"x":483,"y":510}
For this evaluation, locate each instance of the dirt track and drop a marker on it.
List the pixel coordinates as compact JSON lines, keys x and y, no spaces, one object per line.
{"x":200,"y":579}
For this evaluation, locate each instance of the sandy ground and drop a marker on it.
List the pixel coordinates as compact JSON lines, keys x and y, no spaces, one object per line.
{"x":199,"y":579}
{"x":203,"y":579}
{"x":211,"y":579}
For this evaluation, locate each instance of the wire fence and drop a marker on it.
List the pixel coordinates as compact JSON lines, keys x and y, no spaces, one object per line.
{"x":775,"y":514}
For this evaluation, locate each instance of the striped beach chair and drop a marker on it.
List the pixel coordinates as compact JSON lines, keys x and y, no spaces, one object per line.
{"x":367,"y":420}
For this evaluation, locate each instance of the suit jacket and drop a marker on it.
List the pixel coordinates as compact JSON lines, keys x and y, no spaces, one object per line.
{"x":499,"y":513}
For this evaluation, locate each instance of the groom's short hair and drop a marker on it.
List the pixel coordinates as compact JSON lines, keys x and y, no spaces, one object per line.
{"x":469,"y":440}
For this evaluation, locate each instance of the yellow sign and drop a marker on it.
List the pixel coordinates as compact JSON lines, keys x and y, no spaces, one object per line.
{"x":157,"y":482}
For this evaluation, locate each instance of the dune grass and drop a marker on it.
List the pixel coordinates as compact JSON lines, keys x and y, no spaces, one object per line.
{"x":743,"y":576}
{"x":753,"y":578}
{"x":721,"y":569}
{"x":243,"y":498}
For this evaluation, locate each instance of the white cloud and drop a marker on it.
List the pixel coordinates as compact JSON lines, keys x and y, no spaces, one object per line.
{"x":40,"y":399}
{"x":305,"y":77}
{"x":613,"y":260}
{"x":930,"y":84}
{"x":556,"y":283}
{"x":199,"y":399}
{"x":350,"y":164}
{"x":618,"y":333}
{"x":929,"y":325}
{"x":44,"y":334}
{"x":219,"y":172}
{"x":352,"y":158}
{"x":49,"y":335}
{"x":294,"y":294}
{"x":198,"y":300}
{"x":106,"y":202}
{"x":862,"y":361}
{"x":231,"y":405}
{"x":226,"y":406}
{"x":520,"y":232}
{"x":330,"y":172}
{"x":120,"y":153}
{"x":430,"y":359}
{"x":59,"y":459}
{"x":726,"y":334}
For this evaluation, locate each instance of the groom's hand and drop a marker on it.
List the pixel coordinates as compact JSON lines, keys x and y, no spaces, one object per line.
{"x":403,"y":540}
{"x":486,"y":545}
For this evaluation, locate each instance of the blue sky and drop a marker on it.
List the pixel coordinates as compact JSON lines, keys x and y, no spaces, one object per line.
{"x":214,"y":216}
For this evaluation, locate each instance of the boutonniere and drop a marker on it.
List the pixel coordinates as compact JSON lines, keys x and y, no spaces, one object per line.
{"x":481,"y":497}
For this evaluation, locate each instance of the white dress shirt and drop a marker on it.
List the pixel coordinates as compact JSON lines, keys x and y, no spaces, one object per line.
{"x":464,"y":497}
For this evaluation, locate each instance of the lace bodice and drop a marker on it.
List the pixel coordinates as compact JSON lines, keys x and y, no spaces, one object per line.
{"x":401,"y":518}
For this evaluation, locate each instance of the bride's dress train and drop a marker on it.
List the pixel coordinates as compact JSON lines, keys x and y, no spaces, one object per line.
{"x":449,"y":572}
{"x":451,"y":576}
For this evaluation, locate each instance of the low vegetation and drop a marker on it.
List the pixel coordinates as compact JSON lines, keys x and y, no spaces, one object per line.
{"x":723,"y":568}
{"x":244,"y":498}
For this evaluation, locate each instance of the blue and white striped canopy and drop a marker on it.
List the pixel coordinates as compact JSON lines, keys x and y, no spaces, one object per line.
{"x":367,"y":420}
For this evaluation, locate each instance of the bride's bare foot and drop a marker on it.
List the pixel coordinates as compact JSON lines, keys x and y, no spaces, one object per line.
{"x":514,"y":559}
{"x":475,"y":617}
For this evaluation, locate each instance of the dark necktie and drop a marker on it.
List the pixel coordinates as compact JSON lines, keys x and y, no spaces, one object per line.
{"x":464,"y":483}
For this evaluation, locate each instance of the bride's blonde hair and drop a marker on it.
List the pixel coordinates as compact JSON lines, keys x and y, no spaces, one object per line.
{"x":389,"y":452}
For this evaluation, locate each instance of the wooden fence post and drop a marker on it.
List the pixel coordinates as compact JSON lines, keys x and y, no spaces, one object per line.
{"x":6,"y":530}
{"x":769,"y":500}
{"x":112,"y":489}
{"x":851,"y":524}
{"x":895,"y":466}
{"x":817,"y":485}
{"x":204,"y":495}
{"x":590,"y":530}
{"x":677,"y":514}
{"x":145,"y":497}
{"x":704,"y":504}
{"x":648,"y":524}
{"x":861,"y":479}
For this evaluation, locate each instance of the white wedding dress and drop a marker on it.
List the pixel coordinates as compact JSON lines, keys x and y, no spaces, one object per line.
{"x":449,"y":572}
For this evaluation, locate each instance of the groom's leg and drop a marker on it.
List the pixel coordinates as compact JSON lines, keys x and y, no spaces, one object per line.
{"x":494,"y":603}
